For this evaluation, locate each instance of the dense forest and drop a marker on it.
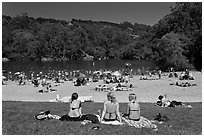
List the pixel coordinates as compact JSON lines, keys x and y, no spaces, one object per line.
{"x":175,"y":41}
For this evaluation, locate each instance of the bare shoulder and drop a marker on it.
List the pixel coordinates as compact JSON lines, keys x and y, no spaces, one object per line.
{"x":106,"y":101}
{"x":79,"y":101}
{"x":117,"y":103}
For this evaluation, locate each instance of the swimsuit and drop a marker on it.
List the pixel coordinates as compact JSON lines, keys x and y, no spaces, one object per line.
{"x":135,"y":119}
{"x":133,"y":115}
{"x":110,"y":114}
{"x":74,"y":108}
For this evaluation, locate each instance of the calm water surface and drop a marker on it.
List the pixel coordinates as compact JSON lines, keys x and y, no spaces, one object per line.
{"x":37,"y":66}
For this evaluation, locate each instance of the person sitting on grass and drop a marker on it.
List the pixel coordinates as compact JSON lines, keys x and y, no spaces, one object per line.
{"x":75,"y":109}
{"x":163,"y":101}
{"x":133,"y":109}
{"x":133,"y":117}
{"x":111,"y":109}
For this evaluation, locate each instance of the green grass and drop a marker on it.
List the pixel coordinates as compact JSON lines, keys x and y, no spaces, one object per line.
{"x":18,"y":119}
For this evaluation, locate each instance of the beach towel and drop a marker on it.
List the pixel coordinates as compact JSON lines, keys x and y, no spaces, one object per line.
{"x":110,"y":122}
{"x":68,"y":98}
{"x":81,"y":98}
{"x":143,"y":122}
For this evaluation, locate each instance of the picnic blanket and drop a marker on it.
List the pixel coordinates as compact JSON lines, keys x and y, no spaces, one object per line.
{"x":143,"y":122}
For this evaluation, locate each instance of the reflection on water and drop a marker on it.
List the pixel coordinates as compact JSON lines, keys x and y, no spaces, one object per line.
{"x":37,"y":66}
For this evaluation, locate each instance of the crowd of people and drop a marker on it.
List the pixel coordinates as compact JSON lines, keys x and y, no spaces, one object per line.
{"x":82,"y":78}
{"x":110,"y":111}
{"x":79,"y":78}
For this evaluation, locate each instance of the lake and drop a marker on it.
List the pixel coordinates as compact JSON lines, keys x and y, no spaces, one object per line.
{"x":112,"y":64}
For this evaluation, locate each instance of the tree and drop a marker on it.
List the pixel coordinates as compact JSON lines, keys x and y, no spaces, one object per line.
{"x":171,"y":51}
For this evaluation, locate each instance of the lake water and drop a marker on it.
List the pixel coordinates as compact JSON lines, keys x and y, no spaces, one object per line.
{"x":37,"y":66}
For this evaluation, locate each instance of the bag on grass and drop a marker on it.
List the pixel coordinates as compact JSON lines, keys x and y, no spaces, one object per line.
{"x":90,"y":117}
{"x":42,"y":115}
{"x":161,"y":117}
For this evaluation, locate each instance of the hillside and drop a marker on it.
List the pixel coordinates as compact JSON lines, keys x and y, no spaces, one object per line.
{"x":175,"y":41}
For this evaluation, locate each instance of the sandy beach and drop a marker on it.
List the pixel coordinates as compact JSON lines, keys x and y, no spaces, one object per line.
{"x":146,"y":90}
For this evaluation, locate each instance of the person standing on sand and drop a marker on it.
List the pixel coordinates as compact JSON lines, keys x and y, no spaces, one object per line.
{"x":126,"y":78}
{"x":159,"y":73}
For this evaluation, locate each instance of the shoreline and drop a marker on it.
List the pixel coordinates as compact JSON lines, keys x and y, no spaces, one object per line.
{"x":147,"y":91}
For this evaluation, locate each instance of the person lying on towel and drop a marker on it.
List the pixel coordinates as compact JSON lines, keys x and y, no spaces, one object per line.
{"x":133,"y":108}
{"x":111,"y":109}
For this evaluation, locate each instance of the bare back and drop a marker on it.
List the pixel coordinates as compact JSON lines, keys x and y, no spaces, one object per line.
{"x":75,"y":107}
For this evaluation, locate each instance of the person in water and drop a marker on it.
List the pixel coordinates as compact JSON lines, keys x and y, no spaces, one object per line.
{"x":133,"y":109}
{"x":111,"y":109}
{"x":75,"y":112}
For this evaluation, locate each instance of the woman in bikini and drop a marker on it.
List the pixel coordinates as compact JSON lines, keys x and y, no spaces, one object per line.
{"x":111,"y":109}
{"x":75,"y":109}
{"x":133,"y":109}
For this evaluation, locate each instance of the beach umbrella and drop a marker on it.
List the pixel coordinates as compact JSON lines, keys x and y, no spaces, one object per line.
{"x":116,"y":73}
{"x":17,"y":73}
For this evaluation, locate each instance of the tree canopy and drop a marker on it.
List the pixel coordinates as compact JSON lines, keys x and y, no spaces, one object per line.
{"x":175,"y":41}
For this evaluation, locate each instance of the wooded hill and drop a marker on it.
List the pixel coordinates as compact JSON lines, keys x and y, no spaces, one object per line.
{"x":175,"y":41}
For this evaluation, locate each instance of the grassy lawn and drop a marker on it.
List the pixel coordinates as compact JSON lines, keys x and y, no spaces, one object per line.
{"x":17,"y":119}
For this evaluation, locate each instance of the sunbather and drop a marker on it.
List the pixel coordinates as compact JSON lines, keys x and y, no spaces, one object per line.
{"x":111,"y":109}
{"x":133,"y":109}
{"x":183,"y":84}
{"x":75,"y":109}
{"x":133,"y":118}
{"x":164,"y":102}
